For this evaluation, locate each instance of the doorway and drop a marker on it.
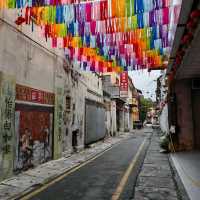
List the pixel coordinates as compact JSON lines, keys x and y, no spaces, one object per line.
{"x":33,"y":128}
{"x":196,"y":117}
{"x":75,"y":140}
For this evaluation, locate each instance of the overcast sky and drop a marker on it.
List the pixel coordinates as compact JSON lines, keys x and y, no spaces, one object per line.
{"x":145,"y":81}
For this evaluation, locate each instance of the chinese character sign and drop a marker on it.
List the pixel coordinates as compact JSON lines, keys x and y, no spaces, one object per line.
{"x":58,"y":122}
{"x":7,"y":110}
{"x":124,"y":84}
{"x":24,"y":93}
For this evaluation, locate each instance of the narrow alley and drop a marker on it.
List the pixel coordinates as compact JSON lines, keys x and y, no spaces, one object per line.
{"x":100,"y":178}
{"x":99,"y":99}
{"x":112,"y":172}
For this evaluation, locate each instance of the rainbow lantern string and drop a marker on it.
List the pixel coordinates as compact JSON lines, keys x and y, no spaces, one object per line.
{"x":106,"y":35}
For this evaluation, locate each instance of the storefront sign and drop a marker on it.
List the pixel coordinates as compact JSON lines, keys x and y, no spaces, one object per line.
{"x":124,"y":84}
{"x":24,"y":93}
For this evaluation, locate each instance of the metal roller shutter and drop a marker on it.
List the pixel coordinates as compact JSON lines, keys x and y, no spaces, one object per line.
{"x":95,"y":128}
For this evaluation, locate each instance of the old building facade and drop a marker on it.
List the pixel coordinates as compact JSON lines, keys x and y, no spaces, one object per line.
{"x":49,"y":107}
{"x":183,"y":80}
{"x":44,"y":99}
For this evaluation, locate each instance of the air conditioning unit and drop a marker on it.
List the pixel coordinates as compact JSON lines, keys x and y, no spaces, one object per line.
{"x":196,"y":84}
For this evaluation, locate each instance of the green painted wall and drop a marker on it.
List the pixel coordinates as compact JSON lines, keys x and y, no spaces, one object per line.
{"x":58,"y":123}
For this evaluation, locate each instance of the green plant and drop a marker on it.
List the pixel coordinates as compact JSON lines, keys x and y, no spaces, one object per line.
{"x":164,"y":142}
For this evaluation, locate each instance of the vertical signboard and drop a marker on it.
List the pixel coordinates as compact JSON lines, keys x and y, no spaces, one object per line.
{"x":7,"y":116}
{"x":58,"y":122}
{"x":124,"y":84}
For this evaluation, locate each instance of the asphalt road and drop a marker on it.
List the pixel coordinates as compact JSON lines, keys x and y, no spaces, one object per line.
{"x":99,"y":179}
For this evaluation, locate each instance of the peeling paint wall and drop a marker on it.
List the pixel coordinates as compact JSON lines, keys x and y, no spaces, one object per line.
{"x":33,"y":66}
{"x":30,"y":64}
{"x":26,"y":61}
{"x":74,"y":110}
{"x":78,"y":86}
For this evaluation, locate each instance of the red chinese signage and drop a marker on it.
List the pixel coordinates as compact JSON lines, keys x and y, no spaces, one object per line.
{"x":24,"y":93}
{"x":124,"y":84}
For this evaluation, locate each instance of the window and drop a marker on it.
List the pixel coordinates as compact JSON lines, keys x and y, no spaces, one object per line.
{"x":68,"y":103}
{"x":106,"y":78}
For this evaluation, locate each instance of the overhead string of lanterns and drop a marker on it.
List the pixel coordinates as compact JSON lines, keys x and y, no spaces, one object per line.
{"x":104,"y":35}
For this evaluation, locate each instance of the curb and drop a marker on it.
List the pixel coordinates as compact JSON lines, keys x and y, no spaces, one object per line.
{"x":175,"y":188}
{"x":181,"y":192}
{"x":148,"y":143}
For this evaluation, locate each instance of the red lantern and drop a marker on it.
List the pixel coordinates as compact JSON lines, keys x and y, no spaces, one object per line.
{"x":170,"y":77}
{"x":180,"y":53}
{"x":192,"y":24}
{"x":20,"y":20}
{"x":195,"y":14}
{"x":178,"y":60}
{"x":187,"y":38}
{"x":174,"y":69}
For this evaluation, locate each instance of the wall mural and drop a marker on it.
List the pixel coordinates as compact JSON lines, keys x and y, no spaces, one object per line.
{"x":33,"y":127}
{"x":34,"y":136}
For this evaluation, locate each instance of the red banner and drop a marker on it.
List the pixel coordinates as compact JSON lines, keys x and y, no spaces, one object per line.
{"x":124,"y":84}
{"x":24,"y":93}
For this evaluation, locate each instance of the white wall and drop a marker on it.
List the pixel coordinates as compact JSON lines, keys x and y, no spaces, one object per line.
{"x":126,"y":121}
{"x":74,"y":119}
{"x":108,"y":123}
{"x":121,"y":121}
{"x":130,"y":120}
{"x":113,"y":117}
{"x":164,"y":120}
{"x":94,"y":86}
{"x":20,"y":57}
{"x":41,"y":66}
